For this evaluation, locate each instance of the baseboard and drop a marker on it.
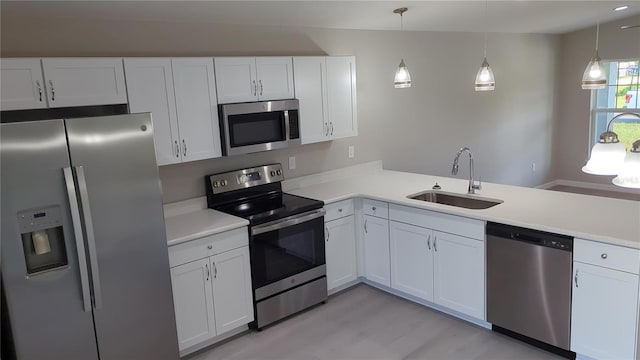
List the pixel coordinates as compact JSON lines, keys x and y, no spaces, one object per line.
{"x":214,"y":341}
{"x":585,"y":185}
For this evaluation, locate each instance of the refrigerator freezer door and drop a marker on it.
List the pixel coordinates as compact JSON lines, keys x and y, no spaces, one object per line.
{"x":119,"y":190}
{"x":46,"y":308}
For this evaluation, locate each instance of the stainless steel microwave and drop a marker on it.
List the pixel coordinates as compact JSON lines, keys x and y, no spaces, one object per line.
{"x":259,"y":126}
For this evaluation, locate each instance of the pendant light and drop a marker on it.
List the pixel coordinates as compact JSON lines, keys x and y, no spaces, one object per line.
{"x":608,"y":154}
{"x":594,"y":76}
{"x":402,"y":78}
{"x":629,"y":175}
{"x":484,"y":79}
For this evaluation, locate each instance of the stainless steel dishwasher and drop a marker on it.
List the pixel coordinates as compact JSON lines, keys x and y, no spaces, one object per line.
{"x":529,"y":284}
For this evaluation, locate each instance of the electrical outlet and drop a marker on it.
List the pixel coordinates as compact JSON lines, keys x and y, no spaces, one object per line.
{"x":352,"y":151}
{"x":292,"y":162}
{"x":533,"y":167}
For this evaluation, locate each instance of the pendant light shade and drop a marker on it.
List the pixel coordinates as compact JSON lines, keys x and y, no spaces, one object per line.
{"x":594,"y":76}
{"x":629,"y":175}
{"x":608,"y":154}
{"x":402,"y":78}
{"x":484,"y":79}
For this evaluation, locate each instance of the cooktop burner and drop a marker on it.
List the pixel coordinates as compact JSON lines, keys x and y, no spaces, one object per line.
{"x":256,"y":195}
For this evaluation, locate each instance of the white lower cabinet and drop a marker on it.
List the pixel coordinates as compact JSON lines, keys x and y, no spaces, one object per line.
{"x":340,"y":252}
{"x":411,"y":260}
{"x":211,"y":280}
{"x":376,"y":250}
{"x":604,"y":308}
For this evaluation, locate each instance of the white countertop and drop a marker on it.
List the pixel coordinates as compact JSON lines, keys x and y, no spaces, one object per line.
{"x":596,"y":218}
{"x":189,"y":222}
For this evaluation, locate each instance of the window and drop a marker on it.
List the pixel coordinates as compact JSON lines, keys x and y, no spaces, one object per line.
{"x":621,"y":95}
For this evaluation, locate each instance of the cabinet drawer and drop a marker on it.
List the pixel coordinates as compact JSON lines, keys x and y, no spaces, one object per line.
{"x":438,"y":221}
{"x":606,"y":255}
{"x":375,"y":208}
{"x":338,"y":209}
{"x":208,"y":246}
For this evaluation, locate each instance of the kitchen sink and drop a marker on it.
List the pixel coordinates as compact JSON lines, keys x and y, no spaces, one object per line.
{"x":452,"y":199}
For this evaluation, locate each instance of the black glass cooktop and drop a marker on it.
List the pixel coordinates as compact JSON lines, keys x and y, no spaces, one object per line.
{"x":259,"y":210}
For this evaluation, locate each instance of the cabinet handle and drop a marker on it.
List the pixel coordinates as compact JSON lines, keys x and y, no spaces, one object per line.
{"x":365,"y":227}
{"x":435,"y":247}
{"x":39,"y":89}
{"x":215,"y":271}
{"x":260,"y":81}
{"x":255,"y":88}
{"x":429,"y":242}
{"x":177,"y":148}
{"x":331,"y":127}
{"x":209,"y":247}
{"x":326,"y":229}
{"x":53,"y":91}
{"x":373,"y":208}
{"x":575,"y":278}
{"x":339,"y":210}
{"x":604,"y":255}
{"x":326,"y":131}
{"x":208,"y":273}
{"x":184,"y":148}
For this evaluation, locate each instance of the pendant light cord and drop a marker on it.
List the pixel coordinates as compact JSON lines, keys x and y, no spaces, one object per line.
{"x":597,"y":34}
{"x":485,"y":29}
{"x":401,"y":22}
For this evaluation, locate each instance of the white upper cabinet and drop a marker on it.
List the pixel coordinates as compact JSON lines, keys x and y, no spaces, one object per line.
{"x":84,"y":81}
{"x":197,"y":109}
{"x":245,"y":79}
{"x":22,"y":84}
{"x":150,"y":89}
{"x":326,"y":89}
{"x":311,"y":91}
{"x":341,"y":96}
{"x":181,"y":96}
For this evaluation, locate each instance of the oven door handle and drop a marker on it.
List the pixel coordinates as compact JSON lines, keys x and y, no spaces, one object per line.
{"x":288,"y":221}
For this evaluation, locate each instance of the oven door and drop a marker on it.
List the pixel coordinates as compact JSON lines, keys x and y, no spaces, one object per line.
{"x":287,"y":252}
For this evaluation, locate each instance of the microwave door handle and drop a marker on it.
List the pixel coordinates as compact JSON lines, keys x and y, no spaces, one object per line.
{"x":286,"y":222}
{"x":287,"y":126}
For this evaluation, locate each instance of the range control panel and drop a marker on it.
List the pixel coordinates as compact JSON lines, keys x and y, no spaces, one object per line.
{"x":244,"y":178}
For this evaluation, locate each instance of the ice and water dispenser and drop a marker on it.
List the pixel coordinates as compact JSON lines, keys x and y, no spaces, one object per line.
{"x":42,"y":239}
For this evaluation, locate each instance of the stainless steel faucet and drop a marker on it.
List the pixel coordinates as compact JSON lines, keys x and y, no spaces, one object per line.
{"x":454,"y":171}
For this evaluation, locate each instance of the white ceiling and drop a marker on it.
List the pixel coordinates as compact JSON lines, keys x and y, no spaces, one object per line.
{"x":516,"y":16}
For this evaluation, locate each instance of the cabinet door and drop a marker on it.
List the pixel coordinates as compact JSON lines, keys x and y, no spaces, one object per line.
{"x":275,"y":78}
{"x":232,"y":298}
{"x":459,"y":274}
{"x":411,"y":259}
{"x":604,"y":312}
{"x":376,"y":250}
{"x":197,"y":108}
{"x":340,"y":248}
{"x":341,"y":93}
{"x":22,"y":85}
{"x":311,"y":91}
{"x":150,"y":89}
{"x":236,"y":79}
{"x":193,"y":302}
{"x":84,"y":81}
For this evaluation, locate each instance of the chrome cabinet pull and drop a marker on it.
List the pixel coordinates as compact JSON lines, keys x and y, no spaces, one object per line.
{"x":53,"y":91}
{"x":184,"y":148}
{"x":91,"y":239}
{"x":604,"y":256}
{"x":331,"y":127}
{"x":209,"y":247}
{"x":326,"y":229}
{"x":206,"y":266}
{"x":177,"y":148}
{"x":215,"y":270}
{"x":373,"y":208}
{"x":77,"y":231}
{"x":260,"y":81}
{"x":365,"y":227}
{"x":576,"y":277}
{"x":255,"y":88}
{"x":435,"y":247}
{"x":39,"y":89}
{"x":429,"y":242}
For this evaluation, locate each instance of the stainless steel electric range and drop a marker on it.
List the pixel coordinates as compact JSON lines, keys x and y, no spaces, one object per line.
{"x":286,"y":233}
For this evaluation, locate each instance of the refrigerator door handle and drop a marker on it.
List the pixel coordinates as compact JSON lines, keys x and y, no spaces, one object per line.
{"x":77,"y":230}
{"x":91,"y":239}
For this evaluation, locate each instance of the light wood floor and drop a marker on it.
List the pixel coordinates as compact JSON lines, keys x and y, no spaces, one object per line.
{"x":366,"y":323}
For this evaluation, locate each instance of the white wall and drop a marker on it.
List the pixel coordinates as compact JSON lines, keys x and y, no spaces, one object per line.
{"x":417,"y":129}
{"x":571,"y":142}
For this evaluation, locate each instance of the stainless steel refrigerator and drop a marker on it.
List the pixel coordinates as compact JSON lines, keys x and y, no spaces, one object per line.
{"x":85,"y":268}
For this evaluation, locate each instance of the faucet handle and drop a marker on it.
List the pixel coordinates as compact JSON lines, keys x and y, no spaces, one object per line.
{"x":477,"y":186}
